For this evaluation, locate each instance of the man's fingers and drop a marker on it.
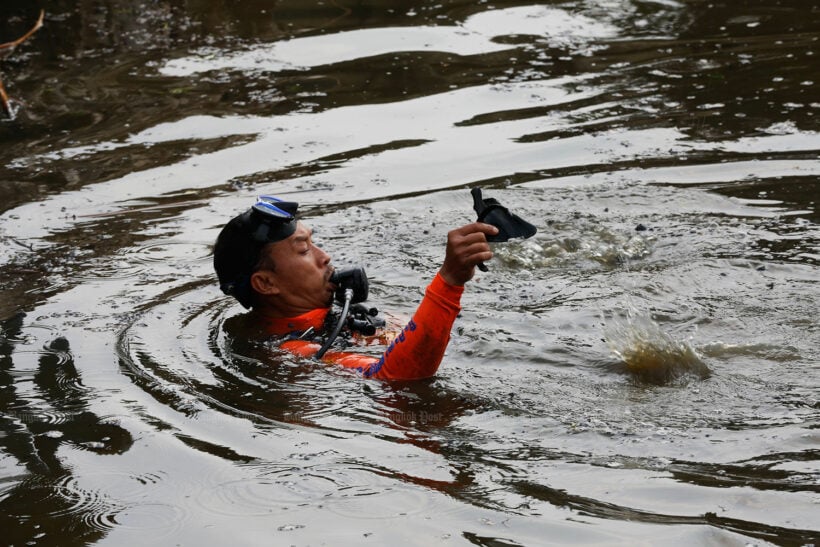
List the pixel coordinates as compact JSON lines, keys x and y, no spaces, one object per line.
{"x":482,"y":249}
{"x":472,"y":237}
{"x":466,"y":247}
{"x":488,"y":229}
{"x":472,"y":247}
{"x":469,"y":244}
{"x":476,"y":227}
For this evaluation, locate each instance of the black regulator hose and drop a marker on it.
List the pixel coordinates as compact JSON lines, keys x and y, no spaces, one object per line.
{"x":336,"y":329}
{"x":352,"y":288}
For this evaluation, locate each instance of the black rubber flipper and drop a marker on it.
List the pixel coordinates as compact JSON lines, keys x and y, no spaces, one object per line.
{"x":509,"y":225}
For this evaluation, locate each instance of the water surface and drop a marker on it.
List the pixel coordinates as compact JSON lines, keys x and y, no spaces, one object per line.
{"x":643,"y":371}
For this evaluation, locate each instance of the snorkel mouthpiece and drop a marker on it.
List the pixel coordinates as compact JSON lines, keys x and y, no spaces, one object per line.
{"x":351,"y":278}
{"x":509,"y":225}
{"x":351,"y":288}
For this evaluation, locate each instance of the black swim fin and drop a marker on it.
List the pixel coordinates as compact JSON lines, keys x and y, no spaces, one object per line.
{"x":509,"y":225}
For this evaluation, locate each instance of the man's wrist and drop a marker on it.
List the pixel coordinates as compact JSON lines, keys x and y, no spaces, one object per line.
{"x":449,"y":278}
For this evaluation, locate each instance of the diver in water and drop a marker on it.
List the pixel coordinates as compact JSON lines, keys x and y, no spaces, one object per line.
{"x":267,"y":260}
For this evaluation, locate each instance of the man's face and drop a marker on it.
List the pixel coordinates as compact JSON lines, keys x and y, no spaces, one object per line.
{"x":301,"y":274}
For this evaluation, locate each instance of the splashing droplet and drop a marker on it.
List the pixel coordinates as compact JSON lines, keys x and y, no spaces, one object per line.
{"x":651,"y":354}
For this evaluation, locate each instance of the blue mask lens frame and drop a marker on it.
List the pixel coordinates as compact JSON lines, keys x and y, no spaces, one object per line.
{"x":266,"y":206}
{"x":271,"y":219}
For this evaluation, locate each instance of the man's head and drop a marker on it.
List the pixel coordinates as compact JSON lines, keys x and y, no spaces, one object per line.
{"x":266,"y":259}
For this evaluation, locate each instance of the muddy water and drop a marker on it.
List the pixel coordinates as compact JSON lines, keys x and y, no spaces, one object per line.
{"x":645,"y":370}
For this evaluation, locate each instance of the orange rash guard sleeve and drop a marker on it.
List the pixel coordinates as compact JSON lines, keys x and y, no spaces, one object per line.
{"x":416,"y":352}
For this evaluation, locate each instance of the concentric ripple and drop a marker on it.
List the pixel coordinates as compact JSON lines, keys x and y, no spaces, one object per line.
{"x":206,"y":364}
{"x":94,"y":507}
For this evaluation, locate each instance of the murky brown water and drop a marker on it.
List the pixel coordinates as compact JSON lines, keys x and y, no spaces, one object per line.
{"x":644,"y":371}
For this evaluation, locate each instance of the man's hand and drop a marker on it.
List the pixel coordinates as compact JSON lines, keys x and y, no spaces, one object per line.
{"x":466,"y":247}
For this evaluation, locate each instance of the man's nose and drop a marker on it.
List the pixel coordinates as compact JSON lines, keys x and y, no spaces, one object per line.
{"x":324,"y":258}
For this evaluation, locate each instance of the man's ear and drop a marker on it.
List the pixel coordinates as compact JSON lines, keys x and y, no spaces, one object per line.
{"x":265,"y":282}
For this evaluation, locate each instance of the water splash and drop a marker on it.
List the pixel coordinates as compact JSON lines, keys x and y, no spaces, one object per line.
{"x":569,"y":243}
{"x":651,"y":354}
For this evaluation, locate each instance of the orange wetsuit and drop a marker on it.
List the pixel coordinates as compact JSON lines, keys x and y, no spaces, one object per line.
{"x":415,"y":353}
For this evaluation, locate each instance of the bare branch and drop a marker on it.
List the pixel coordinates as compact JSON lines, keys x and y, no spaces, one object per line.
{"x":8,"y":47}
{"x":4,"y":101}
{"x":26,"y":36}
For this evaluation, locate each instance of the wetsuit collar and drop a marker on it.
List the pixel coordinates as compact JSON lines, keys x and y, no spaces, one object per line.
{"x":287,"y":325}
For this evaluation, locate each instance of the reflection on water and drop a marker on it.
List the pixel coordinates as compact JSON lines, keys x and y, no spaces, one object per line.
{"x":44,"y":409}
{"x":644,"y":367}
